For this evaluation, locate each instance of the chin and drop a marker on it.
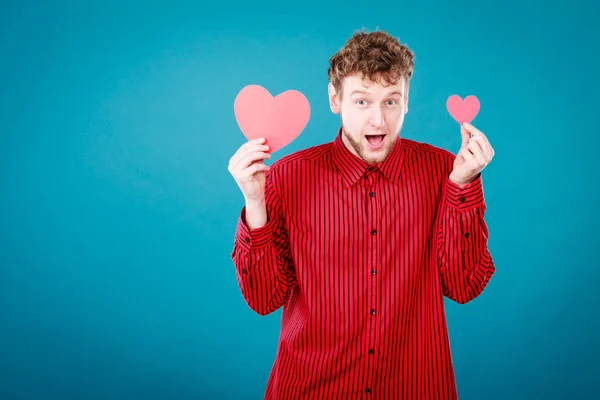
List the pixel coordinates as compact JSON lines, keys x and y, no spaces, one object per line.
{"x":362,"y":148}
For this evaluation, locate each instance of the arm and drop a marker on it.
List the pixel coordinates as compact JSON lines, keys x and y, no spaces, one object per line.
{"x":465,"y":263}
{"x":262,"y":255}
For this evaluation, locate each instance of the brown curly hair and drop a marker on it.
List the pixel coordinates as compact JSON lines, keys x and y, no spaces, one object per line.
{"x":377,"y":56}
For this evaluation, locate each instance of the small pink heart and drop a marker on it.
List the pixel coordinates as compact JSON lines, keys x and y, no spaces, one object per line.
{"x":463,"y":110}
{"x":279,"y":119}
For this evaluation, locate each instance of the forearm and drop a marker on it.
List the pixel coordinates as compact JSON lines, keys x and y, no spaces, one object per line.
{"x":465,"y":262}
{"x":263,"y":262}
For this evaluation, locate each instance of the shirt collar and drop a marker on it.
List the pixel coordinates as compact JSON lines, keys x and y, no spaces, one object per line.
{"x":352,"y":167}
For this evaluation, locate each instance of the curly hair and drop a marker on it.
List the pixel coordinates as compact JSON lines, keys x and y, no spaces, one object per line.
{"x":376,"y":56}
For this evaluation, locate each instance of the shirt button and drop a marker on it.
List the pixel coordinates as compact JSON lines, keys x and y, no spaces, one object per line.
{"x":371,"y":351}
{"x":373,"y":272}
{"x":245,"y":271}
{"x":373,"y":232}
{"x":461,"y":199}
{"x":247,"y":240}
{"x":368,"y":390}
{"x":372,"y":194}
{"x":467,"y":235}
{"x":373,"y":312}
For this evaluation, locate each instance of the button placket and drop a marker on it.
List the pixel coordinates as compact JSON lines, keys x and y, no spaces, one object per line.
{"x":373,"y":216}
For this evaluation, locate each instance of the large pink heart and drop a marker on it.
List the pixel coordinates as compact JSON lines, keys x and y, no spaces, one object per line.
{"x":463,"y":110}
{"x":279,"y":119}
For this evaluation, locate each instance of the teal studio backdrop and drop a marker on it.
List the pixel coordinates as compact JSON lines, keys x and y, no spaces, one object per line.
{"x":117,"y":211}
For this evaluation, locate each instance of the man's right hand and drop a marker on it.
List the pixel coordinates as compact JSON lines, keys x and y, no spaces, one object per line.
{"x":248,"y":169}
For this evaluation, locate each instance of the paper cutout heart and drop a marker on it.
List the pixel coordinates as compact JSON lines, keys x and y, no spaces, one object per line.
{"x":279,"y":119}
{"x":463,"y":110}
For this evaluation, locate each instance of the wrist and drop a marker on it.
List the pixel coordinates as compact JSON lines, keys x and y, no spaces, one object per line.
{"x":459,"y":182}
{"x":254,"y":204}
{"x":464,"y":196}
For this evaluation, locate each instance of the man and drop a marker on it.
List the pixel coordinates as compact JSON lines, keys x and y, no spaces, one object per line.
{"x":360,"y":239}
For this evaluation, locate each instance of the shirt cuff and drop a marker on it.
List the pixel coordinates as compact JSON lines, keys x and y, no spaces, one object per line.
{"x":253,"y":238}
{"x":469,"y":196}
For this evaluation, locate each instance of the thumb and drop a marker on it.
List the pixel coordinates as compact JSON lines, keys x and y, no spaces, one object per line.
{"x":465,"y":134}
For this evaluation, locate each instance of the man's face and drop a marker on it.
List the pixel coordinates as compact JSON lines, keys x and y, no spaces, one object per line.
{"x":372,"y":116}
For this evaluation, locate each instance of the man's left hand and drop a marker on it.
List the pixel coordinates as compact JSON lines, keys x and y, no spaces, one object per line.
{"x":474,"y":155}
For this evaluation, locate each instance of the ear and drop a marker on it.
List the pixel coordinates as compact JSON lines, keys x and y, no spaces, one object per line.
{"x":333,"y":99}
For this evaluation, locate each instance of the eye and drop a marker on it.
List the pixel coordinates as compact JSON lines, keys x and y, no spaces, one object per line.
{"x":392,"y":102}
{"x":361,"y":102}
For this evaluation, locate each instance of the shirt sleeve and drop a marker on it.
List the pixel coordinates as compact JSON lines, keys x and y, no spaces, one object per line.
{"x":262,"y":256}
{"x":465,"y":263}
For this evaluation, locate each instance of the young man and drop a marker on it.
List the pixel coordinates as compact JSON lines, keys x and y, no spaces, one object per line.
{"x":360,"y":239}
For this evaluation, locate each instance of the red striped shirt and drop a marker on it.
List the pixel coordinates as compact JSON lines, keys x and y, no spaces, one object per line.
{"x":360,"y":258}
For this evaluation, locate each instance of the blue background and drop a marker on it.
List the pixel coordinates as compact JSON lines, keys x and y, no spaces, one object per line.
{"x":117,"y":211}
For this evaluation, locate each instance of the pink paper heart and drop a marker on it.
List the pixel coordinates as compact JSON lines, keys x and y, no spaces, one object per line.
{"x":279,"y":119}
{"x":462,"y":110}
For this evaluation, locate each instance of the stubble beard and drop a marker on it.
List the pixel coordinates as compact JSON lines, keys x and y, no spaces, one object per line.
{"x":362,"y":152}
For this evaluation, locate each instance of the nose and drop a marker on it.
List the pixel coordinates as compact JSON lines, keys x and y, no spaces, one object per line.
{"x":377,"y":117}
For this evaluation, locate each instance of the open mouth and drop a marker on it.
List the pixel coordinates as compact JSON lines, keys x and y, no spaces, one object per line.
{"x":375,"y":141}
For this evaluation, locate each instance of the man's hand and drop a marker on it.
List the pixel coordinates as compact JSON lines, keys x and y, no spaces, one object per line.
{"x":248,"y":169}
{"x":474,"y":155}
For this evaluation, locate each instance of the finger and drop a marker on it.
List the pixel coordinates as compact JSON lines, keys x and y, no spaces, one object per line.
{"x":251,"y":158}
{"x":241,"y":163}
{"x":485,"y":145}
{"x":253,"y":169}
{"x":469,"y":157}
{"x":249,"y":143}
{"x":477,"y":152}
{"x":474,"y":144}
{"x":259,"y":140}
{"x":250,"y":150}
{"x":465,"y":135}
{"x":247,"y":148}
{"x":470,"y":128}
{"x":244,"y":151}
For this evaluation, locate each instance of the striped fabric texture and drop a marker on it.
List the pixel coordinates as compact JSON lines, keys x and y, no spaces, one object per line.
{"x":360,"y":258}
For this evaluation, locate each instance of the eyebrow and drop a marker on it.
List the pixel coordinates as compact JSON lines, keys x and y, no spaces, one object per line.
{"x":367,"y":93}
